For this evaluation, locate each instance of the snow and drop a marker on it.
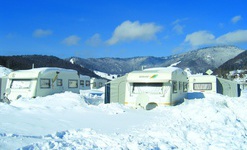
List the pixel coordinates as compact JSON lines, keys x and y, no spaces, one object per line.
{"x":175,"y":64}
{"x":66,"y":121}
{"x":72,"y":61}
{"x":106,"y":75}
{"x":4,"y":71}
{"x":81,"y":121}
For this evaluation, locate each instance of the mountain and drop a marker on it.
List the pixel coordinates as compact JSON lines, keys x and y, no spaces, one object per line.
{"x":26,"y":61}
{"x":237,"y":63}
{"x":198,"y":60}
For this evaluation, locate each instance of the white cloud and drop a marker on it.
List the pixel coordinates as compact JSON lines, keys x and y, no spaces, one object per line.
{"x":200,"y":38}
{"x":239,"y":36}
{"x":41,"y":33}
{"x":128,"y":31}
{"x":71,"y":40}
{"x":236,"y":19}
{"x":95,"y":40}
{"x":178,"y":29}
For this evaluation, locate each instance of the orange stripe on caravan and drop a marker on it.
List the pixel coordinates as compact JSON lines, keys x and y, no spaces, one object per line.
{"x":126,"y":103}
{"x":168,"y":104}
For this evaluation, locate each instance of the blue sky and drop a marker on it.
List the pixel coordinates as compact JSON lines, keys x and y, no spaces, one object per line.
{"x":119,"y":28}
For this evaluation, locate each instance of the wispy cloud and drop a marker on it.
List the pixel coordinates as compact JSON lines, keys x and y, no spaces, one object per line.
{"x":41,"y":33}
{"x":129,"y":31}
{"x":177,"y":27}
{"x":201,"y":38}
{"x":236,"y":19}
{"x":71,"y":40}
{"x":95,"y":40}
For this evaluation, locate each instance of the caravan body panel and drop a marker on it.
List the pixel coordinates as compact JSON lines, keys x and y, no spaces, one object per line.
{"x":160,"y":86}
{"x":202,"y":83}
{"x":213,"y":84}
{"x":149,"y":87}
{"x":3,"y":82}
{"x":227,"y":87}
{"x":115,"y":91}
{"x":97,"y":83}
{"x":41,"y":82}
{"x":84,"y":82}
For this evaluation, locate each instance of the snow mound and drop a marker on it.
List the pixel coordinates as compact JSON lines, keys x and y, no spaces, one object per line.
{"x":4,"y":71}
{"x":60,"y":101}
{"x":66,"y":121}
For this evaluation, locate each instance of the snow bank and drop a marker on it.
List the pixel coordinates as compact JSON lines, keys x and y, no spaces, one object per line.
{"x":66,"y":121}
{"x":4,"y":71}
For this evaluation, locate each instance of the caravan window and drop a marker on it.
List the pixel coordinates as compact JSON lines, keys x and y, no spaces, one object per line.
{"x":82,"y":82}
{"x":87,"y":83}
{"x":45,"y":83}
{"x":59,"y":82}
{"x":175,"y":86}
{"x":73,"y":83}
{"x":100,"y":84}
{"x":185,"y":86}
{"x":202,"y":86}
{"x":154,"y":88}
{"x":20,"y":84}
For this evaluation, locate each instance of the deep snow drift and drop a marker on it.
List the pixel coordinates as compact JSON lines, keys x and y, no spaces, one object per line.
{"x":66,"y":121}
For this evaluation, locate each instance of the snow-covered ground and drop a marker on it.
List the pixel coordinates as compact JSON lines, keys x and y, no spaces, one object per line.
{"x":82,"y":121}
{"x":66,"y":121}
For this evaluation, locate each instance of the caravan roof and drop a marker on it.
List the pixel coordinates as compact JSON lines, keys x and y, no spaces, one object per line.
{"x":34,"y":73}
{"x":161,"y":74}
{"x":84,"y":77}
{"x":162,"y":69}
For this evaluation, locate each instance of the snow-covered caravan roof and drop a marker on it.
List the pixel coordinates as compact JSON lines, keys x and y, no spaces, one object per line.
{"x":34,"y":73}
{"x":4,"y":71}
{"x":161,"y":74}
{"x":84,"y":77}
{"x":202,"y":78}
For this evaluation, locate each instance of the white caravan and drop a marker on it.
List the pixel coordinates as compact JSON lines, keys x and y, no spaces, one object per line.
{"x":40,"y":82}
{"x":149,"y":88}
{"x":213,"y":84}
{"x":84,"y":82}
{"x":3,"y":81}
{"x":97,"y":83}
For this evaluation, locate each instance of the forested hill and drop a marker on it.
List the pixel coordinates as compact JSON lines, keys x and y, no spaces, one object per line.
{"x":237,"y":63}
{"x":26,"y":62}
{"x":198,"y":61}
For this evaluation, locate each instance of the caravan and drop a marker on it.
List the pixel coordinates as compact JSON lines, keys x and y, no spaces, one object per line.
{"x":97,"y":83}
{"x":213,"y":84}
{"x":40,"y":82}
{"x":3,"y":81}
{"x":148,"y":88}
{"x":84,"y":82}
